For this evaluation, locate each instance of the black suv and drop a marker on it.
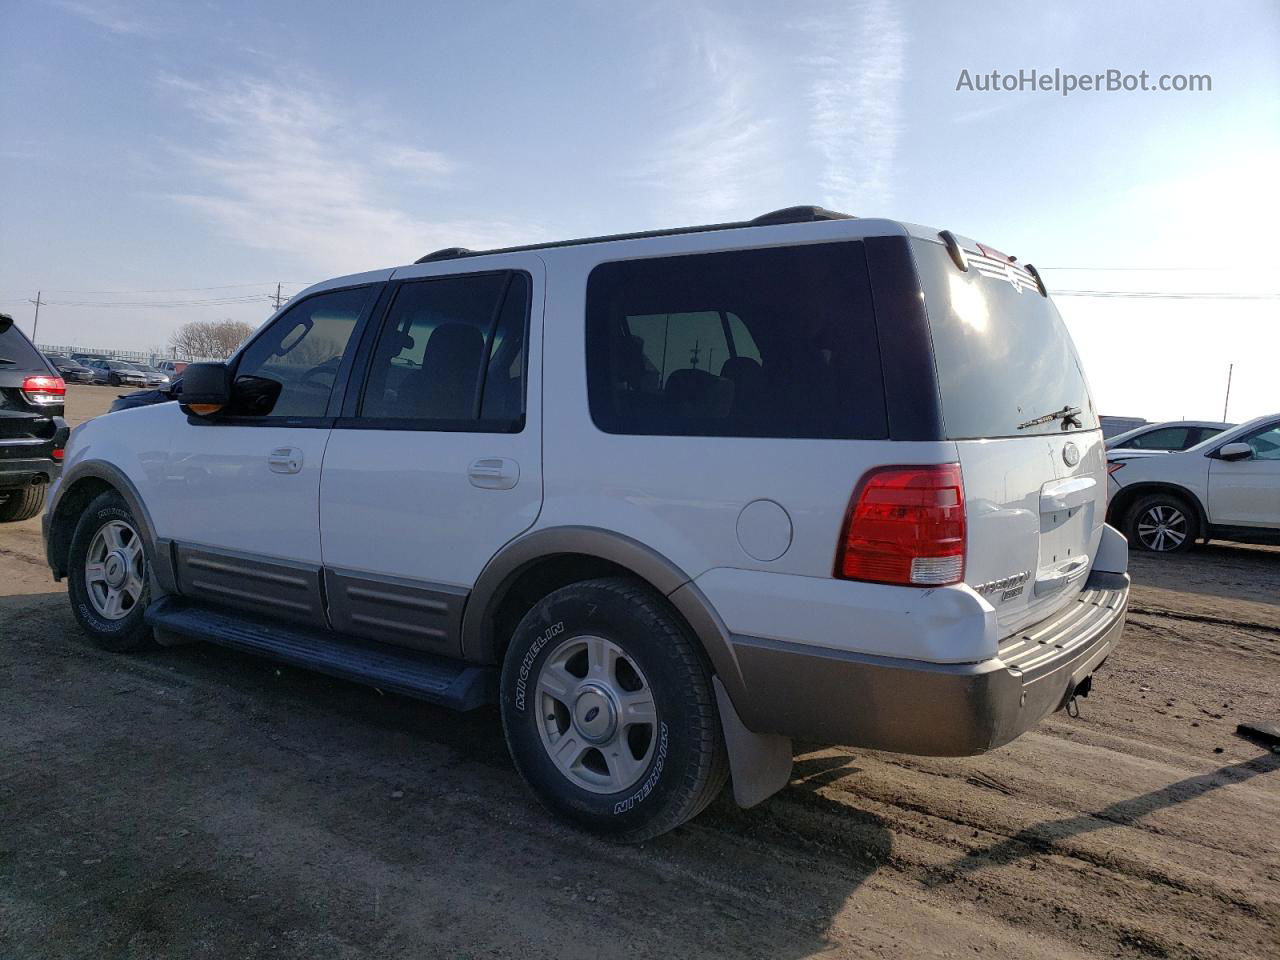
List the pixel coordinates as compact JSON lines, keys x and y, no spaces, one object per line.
{"x":32,"y":431}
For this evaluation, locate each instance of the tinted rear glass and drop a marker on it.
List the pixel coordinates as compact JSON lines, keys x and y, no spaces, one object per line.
{"x":1003,"y":354}
{"x":779,"y":342}
{"x":17,"y":349}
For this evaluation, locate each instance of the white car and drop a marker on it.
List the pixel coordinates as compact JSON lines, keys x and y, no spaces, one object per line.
{"x":668,"y":499}
{"x":1224,"y":488}
{"x":1166,"y":437}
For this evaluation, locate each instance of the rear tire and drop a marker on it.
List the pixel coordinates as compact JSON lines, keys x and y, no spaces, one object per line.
{"x":608,"y":711}
{"x":22,"y":504}
{"x":107,"y":575}
{"x":1161,"y":523}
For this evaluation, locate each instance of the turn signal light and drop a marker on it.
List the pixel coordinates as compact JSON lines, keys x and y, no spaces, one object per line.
{"x":906,"y":526}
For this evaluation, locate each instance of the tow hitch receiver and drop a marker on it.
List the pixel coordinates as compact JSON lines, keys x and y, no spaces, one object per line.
{"x":1082,"y":690}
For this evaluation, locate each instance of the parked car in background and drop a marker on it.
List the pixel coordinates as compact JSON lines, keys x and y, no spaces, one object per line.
{"x":117,"y":373}
{"x":32,"y":431}
{"x":1113,"y":426}
{"x":668,"y":500}
{"x":1174,"y":435}
{"x":144,"y":398}
{"x":155,"y":378}
{"x":1224,"y":488}
{"x":71,"y":371}
{"x":171,"y":367}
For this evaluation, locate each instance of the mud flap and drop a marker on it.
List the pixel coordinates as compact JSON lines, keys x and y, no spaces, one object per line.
{"x":1113,"y":551}
{"x":759,"y":763}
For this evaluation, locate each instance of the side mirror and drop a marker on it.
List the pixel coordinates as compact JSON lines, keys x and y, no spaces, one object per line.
{"x":1235,"y":451}
{"x":206,"y":388}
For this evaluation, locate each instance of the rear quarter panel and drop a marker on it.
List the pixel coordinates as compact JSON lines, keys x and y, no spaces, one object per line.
{"x":682,"y":496}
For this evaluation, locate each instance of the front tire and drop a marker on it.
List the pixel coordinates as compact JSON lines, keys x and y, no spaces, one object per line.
{"x":608,"y":711}
{"x":107,"y":575}
{"x":113,"y":381}
{"x":22,"y":504}
{"x":1161,"y":523}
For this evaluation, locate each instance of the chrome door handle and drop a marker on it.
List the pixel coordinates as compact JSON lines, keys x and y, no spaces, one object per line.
{"x":494,"y":473}
{"x":285,"y":460}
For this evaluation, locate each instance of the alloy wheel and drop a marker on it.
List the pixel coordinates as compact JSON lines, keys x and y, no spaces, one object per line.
{"x":597,"y":715}
{"x":1162,"y":528}
{"x":115,"y":570}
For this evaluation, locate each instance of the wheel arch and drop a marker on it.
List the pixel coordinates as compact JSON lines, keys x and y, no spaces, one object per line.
{"x":528,"y":568}
{"x":1128,"y":495}
{"x":79,"y":486}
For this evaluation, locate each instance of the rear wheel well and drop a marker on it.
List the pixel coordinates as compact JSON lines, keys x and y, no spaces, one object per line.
{"x":62,"y":525}
{"x":543,"y":576}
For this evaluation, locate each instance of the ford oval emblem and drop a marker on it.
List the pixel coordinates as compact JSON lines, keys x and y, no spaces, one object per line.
{"x":1070,"y":455}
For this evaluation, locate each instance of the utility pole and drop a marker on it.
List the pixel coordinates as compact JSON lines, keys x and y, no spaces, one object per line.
{"x":277,"y":296}
{"x":1227,"y":399}
{"x":36,"y":323}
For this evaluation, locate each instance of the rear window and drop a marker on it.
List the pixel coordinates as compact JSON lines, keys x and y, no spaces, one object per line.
{"x":1003,"y":355}
{"x":778,"y":342}
{"x":16,"y":351}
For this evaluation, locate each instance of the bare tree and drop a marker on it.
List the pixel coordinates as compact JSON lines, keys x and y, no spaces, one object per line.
{"x":211,"y":339}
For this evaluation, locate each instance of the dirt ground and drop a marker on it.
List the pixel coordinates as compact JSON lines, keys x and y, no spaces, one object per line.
{"x":199,"y":803}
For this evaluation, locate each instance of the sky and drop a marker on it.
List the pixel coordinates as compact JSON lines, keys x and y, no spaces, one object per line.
{"x":168,"y":162}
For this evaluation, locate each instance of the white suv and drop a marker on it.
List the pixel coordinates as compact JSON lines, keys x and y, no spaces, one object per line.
{"x":670,"y":499}
{"x":1224,"y":488}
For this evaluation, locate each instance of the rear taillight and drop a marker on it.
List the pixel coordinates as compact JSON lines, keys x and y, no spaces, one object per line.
{"x":58,"y":453}
{"x":43,"y":390}
{"x":906,"y":526}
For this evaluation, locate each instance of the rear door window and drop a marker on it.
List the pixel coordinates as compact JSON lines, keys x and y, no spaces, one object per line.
{"x":1004,"y":357}
{"x":16,"y":351}
{"x":778,"y":342}
{"x":1166,"y":438}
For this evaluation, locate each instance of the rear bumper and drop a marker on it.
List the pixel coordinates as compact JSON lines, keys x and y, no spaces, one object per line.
{"x":910,"y":706}
{"x":28,"y":470}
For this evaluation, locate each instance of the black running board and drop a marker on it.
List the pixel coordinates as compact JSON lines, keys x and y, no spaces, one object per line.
{"x":435,"y":679}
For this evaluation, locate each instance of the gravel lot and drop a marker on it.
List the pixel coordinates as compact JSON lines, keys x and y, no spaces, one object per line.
{"x":199,"y":803}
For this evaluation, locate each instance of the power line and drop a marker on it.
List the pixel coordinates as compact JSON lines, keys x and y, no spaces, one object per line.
{"x":1163,"y":295}
{"x":163,"y":304}
{"x":225,"y":286}
{"x":1201,"y":267}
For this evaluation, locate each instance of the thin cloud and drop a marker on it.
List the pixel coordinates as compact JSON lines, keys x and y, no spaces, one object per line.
{"x":855,"y":102}
{"x":423,"y":163}
{"x":978,"y":114}
{"x":286,"y":170}
{"x":113,"y":17}
{"x":718,"y":154}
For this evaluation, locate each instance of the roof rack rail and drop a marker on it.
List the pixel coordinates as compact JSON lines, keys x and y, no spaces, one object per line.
{"x":444,"y":253}
{"x":805,"y":214}
{"x":798,"y":215}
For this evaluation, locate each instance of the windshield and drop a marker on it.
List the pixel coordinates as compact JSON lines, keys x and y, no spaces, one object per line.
{"x":1006,"y":364}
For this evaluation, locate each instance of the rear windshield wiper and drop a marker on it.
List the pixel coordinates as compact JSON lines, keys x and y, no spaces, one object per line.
{"x":7,"y":360}
{"x":1070,"y":417}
